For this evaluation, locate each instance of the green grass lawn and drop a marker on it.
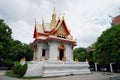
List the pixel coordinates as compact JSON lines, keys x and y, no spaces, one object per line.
{"x":11,"y":74}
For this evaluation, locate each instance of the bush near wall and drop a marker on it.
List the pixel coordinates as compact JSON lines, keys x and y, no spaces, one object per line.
{"x":20,"y":69}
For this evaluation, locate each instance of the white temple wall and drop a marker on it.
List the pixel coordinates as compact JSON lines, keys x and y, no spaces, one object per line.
{"x":42,"y":46}
{"x":69,"y":52}
{"x":53,"y":51}
{"x":39,"y":50}
{"x":47,"y":51}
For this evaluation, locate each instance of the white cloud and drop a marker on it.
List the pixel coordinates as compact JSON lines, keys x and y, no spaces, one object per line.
{"x":13,"y":10}
{"x":22,"y":31}
{"x":86,"y":18}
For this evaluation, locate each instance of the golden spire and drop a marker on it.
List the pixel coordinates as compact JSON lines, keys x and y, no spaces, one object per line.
{"x":54,"y":12}
{"x":53,"y":21}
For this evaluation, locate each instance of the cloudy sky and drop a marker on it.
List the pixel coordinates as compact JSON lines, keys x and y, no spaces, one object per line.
{"x":85,"y":18}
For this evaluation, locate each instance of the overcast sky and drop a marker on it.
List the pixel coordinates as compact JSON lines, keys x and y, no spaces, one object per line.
{"x":85,"y":18}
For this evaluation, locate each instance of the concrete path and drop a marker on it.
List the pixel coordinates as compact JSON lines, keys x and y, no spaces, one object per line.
{"x":3,"y":77}
{"x":93,"y":76}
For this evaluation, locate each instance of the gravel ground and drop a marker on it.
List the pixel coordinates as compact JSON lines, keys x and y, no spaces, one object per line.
{"x":92,"y":76}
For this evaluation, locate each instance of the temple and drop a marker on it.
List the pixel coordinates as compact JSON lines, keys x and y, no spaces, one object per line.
{"x":53,"y":41}
{"x":53,"y":50}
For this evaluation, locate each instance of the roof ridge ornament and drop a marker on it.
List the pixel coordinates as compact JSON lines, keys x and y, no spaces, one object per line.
{"x":63,"y":15}
{"x":35,"y":20}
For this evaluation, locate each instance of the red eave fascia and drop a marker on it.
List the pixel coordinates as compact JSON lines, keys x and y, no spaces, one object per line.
{"x":55,"y":39}
{"x":34,"y":42}
{"x":62,"y":40}
{"x":42,"y":34}
{"x":74,"y":44}
{"x":38,"y":40}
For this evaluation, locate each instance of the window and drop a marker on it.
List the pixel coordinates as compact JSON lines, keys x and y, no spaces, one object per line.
{"x":61,"y":36}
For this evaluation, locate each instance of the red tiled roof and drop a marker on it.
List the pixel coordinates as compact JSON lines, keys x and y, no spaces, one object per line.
{"x":116,"y":20}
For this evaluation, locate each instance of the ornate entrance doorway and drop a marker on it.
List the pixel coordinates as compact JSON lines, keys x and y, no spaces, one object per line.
{"x":61,"y":50}
{"x":61,"y":55}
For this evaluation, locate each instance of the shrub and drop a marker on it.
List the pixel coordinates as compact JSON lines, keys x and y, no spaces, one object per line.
{"x":20,"y":69}
{"x":8,"y":63}
{"x":16,"y":68}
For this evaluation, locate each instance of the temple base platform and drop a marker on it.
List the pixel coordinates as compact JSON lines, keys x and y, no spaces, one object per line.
{"x":57,"y":68}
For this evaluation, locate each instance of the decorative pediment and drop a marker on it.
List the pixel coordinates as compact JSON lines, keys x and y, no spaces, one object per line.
{"x":61,"y":30}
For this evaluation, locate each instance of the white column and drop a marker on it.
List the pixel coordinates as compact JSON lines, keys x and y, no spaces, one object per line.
{"x":111,"y":69}
{"x":47,"y":53}
{"x":38,"y":52}
{"x":71,"y":54}
{"x":95,"y":66}
{"x":53,"y":52}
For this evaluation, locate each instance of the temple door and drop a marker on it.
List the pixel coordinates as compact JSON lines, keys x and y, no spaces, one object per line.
{"x":61,"y":49}
{"x":61,"y":54}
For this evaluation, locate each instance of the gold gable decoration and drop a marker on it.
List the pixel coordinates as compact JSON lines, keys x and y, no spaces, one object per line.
{"x":61,"y":32}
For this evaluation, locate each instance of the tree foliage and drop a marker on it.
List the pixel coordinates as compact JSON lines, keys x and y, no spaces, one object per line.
{"x":5,"y":38}
{"x":107,"y":46}
{"x":20,"y":50}
{"x":79,"y":54}
{"x":12,"y":50}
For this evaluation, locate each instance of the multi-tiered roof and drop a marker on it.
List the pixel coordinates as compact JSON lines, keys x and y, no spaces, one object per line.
{"x":56,"y":30}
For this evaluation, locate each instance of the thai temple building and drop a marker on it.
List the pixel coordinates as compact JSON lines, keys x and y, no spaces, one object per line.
{"x":53,"y":50}
{"x":53,"y":40}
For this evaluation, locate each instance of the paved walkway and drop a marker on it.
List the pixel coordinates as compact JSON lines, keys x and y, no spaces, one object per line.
{"x":93,"y":76}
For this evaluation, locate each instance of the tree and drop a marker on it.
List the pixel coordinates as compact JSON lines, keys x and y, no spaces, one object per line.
{"x":20,"y":50}
{"x":107,"y":46}
{"x":28,"y":52}
{"x":5,"y":40}
{"x":12,"y":50}
{"x":80,"y":54}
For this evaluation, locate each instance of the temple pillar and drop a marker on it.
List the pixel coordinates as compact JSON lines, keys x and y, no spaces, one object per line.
{"x":53,"y":52}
